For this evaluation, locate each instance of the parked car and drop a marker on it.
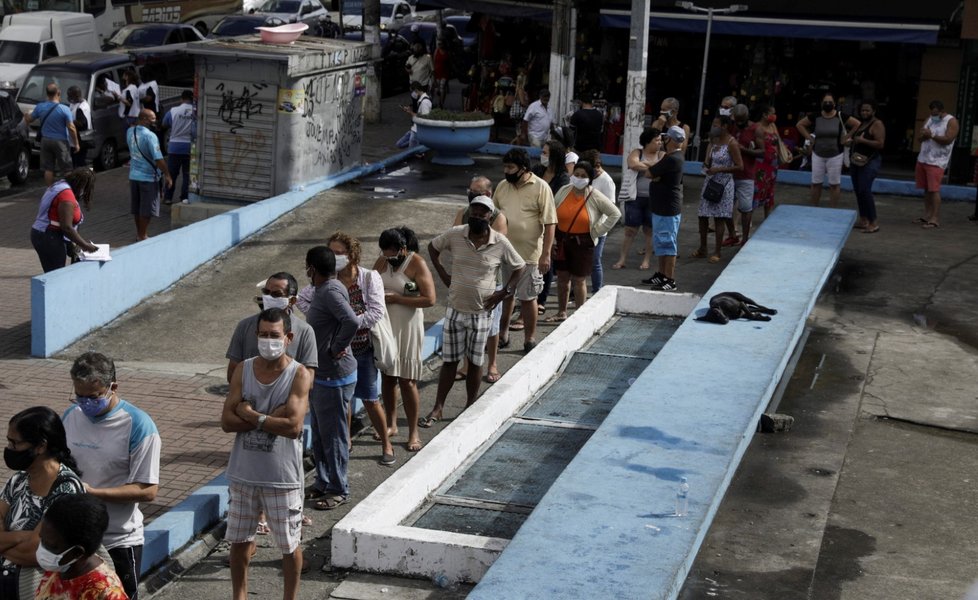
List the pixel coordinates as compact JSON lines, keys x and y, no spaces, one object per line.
{"x":147,"y":35}
{"x":394,"y":52}
{"x":294,"y":11}
{"x":393,"y":14}
{"x":32,"y":37}
{"x":15,"y":145}
{"x":233,"y":25}
{"x":426,"y":32}
{"x":461,"y":23}
{"x":105,"y":139}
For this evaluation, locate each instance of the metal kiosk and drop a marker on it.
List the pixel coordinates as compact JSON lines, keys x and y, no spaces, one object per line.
{"x":271,"y":117}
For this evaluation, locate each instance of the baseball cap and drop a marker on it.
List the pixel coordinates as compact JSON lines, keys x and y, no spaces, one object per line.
{"x":484,"y":201}
{"x":676,"y":133}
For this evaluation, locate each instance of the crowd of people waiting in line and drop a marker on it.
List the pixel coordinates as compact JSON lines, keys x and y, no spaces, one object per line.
{"x":507,"y":245}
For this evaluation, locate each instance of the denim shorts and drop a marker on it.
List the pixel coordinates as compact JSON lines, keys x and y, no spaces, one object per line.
{"x":366,"y":389}
{"x":665,"y":234}
{"x":637,"y":212}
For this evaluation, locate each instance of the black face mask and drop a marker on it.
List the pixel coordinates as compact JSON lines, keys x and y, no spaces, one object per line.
{"x":478,"y":226}
{"x":396,"y":261}
{"x":828,"y":106}
{"x":18,"y":460}
{"x":513,"y":177}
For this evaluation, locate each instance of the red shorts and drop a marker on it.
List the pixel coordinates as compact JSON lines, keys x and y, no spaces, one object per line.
{"x":928,"y":177}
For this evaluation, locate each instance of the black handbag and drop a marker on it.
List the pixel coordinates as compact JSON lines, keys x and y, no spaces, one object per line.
{"x":713,"y":191}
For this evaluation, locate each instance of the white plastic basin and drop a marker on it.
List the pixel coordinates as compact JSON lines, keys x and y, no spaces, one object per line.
{"x":282,"y":34}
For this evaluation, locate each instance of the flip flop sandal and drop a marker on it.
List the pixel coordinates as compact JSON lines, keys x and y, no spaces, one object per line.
{"x":617,"y":266}
{"x":262,"y":528}
{"x":460,"y":376}
{"x":873,"y":230}
{"x":313,"y":494}
{"x":413,"y":446}
{"x":516,"y":326}
{"x":920,"y":220}
{"x":427,"y":422}
{"x":493,"y":377}
{"x":541,"y":310}
{"x":306,"y":521}
{"x":930,"y":225}
{"x":698,"y":254}
{"x":556,"y":319}
{"x":330,"y":502}
{"x":503,"y":343}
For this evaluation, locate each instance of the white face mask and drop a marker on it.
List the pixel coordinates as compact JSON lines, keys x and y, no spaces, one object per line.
{"x":579,"y":182}
{"x":545,"y":160}
{"x":48,"y":560}
{"x":271,"y":348}
{"x":341,"y":262}
{"x":272,"y":302}
{"x":725,"y":112}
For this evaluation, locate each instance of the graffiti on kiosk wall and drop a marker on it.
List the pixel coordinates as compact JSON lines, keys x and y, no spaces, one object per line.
{"x":233,"y":153}
{"x":237,"y":109}
{"x":335,"y":132}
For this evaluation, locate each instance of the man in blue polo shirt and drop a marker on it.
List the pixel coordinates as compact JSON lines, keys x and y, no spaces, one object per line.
{"x":57,"y":129}
{"x":145,"y":166}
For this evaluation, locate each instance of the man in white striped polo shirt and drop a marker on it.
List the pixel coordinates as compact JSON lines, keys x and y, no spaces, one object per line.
{"x":478,"y":253}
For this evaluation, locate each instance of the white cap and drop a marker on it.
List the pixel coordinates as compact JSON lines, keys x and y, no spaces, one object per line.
{"x":484,"y":201}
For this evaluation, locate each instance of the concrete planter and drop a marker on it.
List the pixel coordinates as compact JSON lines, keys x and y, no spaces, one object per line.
{"x":453,"y":140}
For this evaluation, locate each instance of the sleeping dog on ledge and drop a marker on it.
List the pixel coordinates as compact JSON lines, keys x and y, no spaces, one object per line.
{"x":727,"y":306}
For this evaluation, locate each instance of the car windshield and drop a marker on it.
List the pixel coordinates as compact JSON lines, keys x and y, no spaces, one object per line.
{"x":386,"y":11}
{"x":281,"y":6}
{"x":230,"y":27}
{"x":19,"y":52}
{"x":37,"y":82}
{"x":141,"y":37}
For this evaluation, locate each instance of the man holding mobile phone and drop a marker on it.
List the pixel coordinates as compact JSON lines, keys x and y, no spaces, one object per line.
{"x":418,"y":94}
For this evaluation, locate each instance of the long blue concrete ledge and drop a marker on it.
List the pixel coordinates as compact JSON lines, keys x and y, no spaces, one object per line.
{"x":208,"y":505}
{"x":896,"y":187}
{"x":604,"y":529}
{"x":68,"y":303}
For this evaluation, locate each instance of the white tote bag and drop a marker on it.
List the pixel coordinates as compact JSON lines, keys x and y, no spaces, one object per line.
{"x":385,"y":346}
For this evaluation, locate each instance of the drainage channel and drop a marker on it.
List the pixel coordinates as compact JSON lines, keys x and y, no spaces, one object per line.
{"x":494,"y":491}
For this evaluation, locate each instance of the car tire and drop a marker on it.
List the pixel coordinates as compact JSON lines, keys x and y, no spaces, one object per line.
{"x":22,"y":167}
{"x":108,"y":156}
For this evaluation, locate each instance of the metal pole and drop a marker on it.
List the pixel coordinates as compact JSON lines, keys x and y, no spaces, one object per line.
{"x":635,"y":92}
{"x":699,"y":107}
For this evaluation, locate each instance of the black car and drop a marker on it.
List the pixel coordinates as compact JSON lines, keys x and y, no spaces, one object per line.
{"x":148,"y":35}
{"x":15,"y":149}
{"x":394,"y":52}
{"x":233,"y":25}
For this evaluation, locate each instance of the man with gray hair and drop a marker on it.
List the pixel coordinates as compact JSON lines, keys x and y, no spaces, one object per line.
{"x":117,"y":447}
{"x":669,"y":117}
{"x":726,"y":107}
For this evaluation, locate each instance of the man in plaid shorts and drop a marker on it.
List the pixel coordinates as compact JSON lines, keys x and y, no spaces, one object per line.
{"x":266,"y":408}
{"x":478,"y":253}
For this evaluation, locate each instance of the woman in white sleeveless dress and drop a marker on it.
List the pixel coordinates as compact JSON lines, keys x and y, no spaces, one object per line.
{"x":408,"y":288}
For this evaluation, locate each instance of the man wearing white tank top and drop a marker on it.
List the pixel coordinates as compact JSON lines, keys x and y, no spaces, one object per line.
{"x":266,"y":408}
{"x":937,"y":141}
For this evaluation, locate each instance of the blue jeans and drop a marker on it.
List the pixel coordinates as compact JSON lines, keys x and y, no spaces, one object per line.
{"x":177,"y":163}
{"x":408,"y":140}
{"x":862,"y":183}
{"x":597,"y":272}
{"x":328,"y":406}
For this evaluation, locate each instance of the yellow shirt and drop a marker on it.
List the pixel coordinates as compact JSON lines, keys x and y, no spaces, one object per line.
{"x":528,"y":206}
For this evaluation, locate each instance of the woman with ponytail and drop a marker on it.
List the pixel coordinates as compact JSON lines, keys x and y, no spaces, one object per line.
{"x":44,"y":470}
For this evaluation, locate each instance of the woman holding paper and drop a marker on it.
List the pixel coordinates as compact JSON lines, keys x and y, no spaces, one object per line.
{"x":59,"y":216}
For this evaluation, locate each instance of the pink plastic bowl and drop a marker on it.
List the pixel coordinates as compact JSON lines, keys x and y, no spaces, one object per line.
{"x":282,"y":34}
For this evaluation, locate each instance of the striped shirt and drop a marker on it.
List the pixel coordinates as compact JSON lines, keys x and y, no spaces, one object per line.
{"x":474,"y":269}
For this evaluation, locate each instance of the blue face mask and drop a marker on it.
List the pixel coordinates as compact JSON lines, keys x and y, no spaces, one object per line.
{"x":935,"y":120}
{"x":92,"y":407}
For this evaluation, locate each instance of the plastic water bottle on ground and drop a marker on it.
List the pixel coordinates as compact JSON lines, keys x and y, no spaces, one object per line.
{"x":682,"y":498}
{"x":444,"y":582}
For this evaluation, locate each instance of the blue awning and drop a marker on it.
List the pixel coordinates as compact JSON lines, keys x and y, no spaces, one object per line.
{"x":911,"y":33}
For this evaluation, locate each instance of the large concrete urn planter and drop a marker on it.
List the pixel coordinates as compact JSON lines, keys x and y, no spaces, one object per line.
{"x":453,"y":140}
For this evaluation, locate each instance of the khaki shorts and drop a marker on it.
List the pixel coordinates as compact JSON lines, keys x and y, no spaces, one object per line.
{"x":530,"y":283}
{"x":283,"y":512}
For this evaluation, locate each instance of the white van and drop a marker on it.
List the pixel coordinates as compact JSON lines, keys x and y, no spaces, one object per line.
{"x":33,"y":37}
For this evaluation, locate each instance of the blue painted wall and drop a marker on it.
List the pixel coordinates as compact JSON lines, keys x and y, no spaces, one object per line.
{"x":100,"y":292}
{"x":896,"y":187}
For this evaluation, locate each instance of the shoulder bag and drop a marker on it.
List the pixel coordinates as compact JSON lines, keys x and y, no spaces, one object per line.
{"x":559,"y":251}
{"x":713,"y":190}
{"x":384,"y":344}
{"x":784,"y":155}
{"x":40,"y":130}
{"x":858,"y":158}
